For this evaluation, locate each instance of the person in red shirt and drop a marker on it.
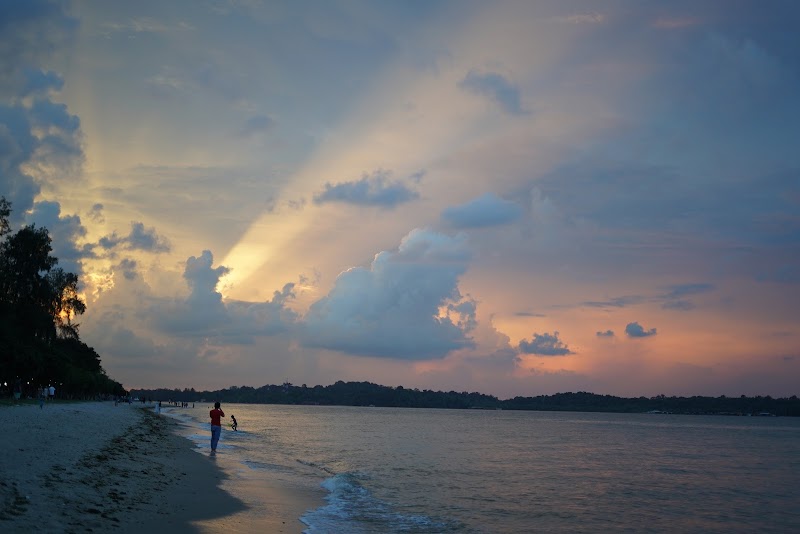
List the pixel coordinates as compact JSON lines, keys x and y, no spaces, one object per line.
{"x":216,"y":426}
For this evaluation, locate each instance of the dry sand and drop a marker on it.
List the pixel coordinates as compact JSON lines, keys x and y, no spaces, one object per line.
{"x":96,"y":467}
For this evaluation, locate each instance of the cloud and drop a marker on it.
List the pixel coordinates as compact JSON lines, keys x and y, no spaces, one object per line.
{"x":487,"y":210}
{"x":128,"y":268}
{"x":581,"y":18}
{"x":39,"y":82}
{"x":253,"y":319}
{"x":607,"y":333}
{"x":673,"y":299}
{"x":109,"y":331}
{"x":65,"y":232}
{"x":214,"y":78}
{"x":544,"y":345}
{"x":636,"y":330}
{"x":673,"y":23}
{"x":679,"y":305}
{"x":96,"y":213}
{"x":495,"y":87}
{"x":616,"y":302}
{"x":29,"y":157}
{"x":203,"y":279}
{"x":683,"y":290}
{"x":375,"y":189}
{"x":39,"y":139}
{"x":256,"y":125}
{"x":139,"y":238}
{"x":142,"y":25}
{"x":406,"y":305}
{"x":204,"y":315}
{"x":29,"y":33}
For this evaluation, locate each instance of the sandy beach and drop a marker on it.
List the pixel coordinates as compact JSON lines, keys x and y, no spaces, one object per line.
{"x":97,"y":467}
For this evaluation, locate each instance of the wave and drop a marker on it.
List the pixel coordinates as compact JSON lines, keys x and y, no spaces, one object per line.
{"x":353,"y":508}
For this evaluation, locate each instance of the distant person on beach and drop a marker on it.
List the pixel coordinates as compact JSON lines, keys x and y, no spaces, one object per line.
{"x":216,"y":425}
{"x":234,"y":424}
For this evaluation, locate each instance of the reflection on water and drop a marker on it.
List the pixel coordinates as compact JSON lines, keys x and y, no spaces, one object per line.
{"x":416,"y":470}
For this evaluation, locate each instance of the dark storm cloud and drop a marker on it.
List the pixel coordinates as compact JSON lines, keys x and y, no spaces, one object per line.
{"x":488,"y":210}
{"x":376,"y":189}
{"x":544,"y":345}
{"x":607,"y":333}
{"x":636,"y":330}
{"x":495,"y":87}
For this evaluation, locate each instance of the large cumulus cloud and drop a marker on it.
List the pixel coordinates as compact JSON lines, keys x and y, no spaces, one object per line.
{"x":36,"y":134}
{"x":203,"y":314}
{"x":405,"y":305}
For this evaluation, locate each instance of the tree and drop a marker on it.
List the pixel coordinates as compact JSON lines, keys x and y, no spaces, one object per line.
{"x":5,"y":213}
{"x":24,"y":288}
{"x":64,"y":301}
{"x":38,"y":304}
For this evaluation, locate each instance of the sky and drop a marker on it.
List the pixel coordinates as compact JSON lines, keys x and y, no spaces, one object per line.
{"x":516,"y":198}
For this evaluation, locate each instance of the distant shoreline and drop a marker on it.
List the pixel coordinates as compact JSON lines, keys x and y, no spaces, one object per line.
{"x":368,"y":394}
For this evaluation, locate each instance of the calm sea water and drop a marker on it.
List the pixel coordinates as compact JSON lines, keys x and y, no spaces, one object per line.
{"x":469,"y":471}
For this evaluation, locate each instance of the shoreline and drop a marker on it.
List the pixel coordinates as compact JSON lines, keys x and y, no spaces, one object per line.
{"x":271,"y":505}
{"x":96,"y":467}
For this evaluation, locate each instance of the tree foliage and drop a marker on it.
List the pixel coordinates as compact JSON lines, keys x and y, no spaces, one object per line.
{"x":39,"y":302}
{"x":368,"y":394}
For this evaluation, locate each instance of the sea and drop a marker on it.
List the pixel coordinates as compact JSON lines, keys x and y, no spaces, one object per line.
{"x":404,"y":470}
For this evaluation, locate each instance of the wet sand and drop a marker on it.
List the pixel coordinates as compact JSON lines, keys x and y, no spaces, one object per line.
{"x":96,"y":467}
{"x":271,"y":505}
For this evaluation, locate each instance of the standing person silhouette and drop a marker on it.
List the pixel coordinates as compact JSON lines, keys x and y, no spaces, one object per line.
{"x":234,"y":423}
{"x":216,"y":426}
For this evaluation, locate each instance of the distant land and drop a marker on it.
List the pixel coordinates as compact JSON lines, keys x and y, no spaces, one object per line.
{"x":369,"y":394}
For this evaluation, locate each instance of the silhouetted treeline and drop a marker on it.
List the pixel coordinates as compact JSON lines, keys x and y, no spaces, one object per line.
{"x":368,"y":394}
{"x":39,"y":341}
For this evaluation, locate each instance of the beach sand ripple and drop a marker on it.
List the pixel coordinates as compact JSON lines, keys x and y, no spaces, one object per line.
{"x":95,"y":467}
